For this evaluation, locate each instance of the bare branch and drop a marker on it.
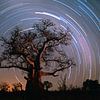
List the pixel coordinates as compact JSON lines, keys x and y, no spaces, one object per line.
{"x":69,"y":64}
{"x":24,"y":69}
{"x":30,"y":61}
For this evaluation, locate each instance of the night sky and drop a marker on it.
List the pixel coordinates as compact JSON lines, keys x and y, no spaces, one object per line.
{"x":81,"y":16}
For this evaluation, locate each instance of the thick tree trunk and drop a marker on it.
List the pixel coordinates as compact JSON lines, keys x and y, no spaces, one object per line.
{"x":38,"y":86}
{"x":34,"y":87}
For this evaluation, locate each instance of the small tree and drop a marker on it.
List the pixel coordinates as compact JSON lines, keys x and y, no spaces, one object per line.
{"x":17,"y":87}
{"x":4,"y":87}
{"x":62,"y":84}
{"x":37,"y":52}
{"x":91,"y":85}
{"x":47,"y":85}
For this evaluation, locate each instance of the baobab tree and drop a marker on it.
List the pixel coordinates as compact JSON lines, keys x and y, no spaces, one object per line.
{"x":38,"y":51}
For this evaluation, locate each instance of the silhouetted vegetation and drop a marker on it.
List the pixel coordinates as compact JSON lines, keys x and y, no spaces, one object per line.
{"x":38,"y":52}
{"x":47,"y":85}
{"x":89,"y":91}
{"x":4,"y":87}
{"x":17,"y":87}
{"x":62,"y":83}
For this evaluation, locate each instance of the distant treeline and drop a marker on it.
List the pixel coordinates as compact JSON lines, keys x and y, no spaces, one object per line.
{"x":89,"y":91}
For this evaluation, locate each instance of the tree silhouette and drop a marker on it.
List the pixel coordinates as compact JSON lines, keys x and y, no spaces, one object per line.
{"x":17,"y":87}
{"x":62,"y":83}
{"x":4,"y":87}
{"x":47,"y":85}
{"x":38,"y":52}
{"x":91,"y":85}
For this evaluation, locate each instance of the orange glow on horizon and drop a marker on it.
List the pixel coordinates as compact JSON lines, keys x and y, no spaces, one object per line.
{"x":10,"y":87}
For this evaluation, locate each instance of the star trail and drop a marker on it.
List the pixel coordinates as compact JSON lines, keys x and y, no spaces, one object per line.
{"x":81,"y":16}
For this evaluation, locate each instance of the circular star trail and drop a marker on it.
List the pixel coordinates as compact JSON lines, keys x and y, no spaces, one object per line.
{"x":81,"y":16}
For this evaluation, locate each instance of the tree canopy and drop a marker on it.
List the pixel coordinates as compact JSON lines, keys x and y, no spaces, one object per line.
{"x":37,"y":49}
